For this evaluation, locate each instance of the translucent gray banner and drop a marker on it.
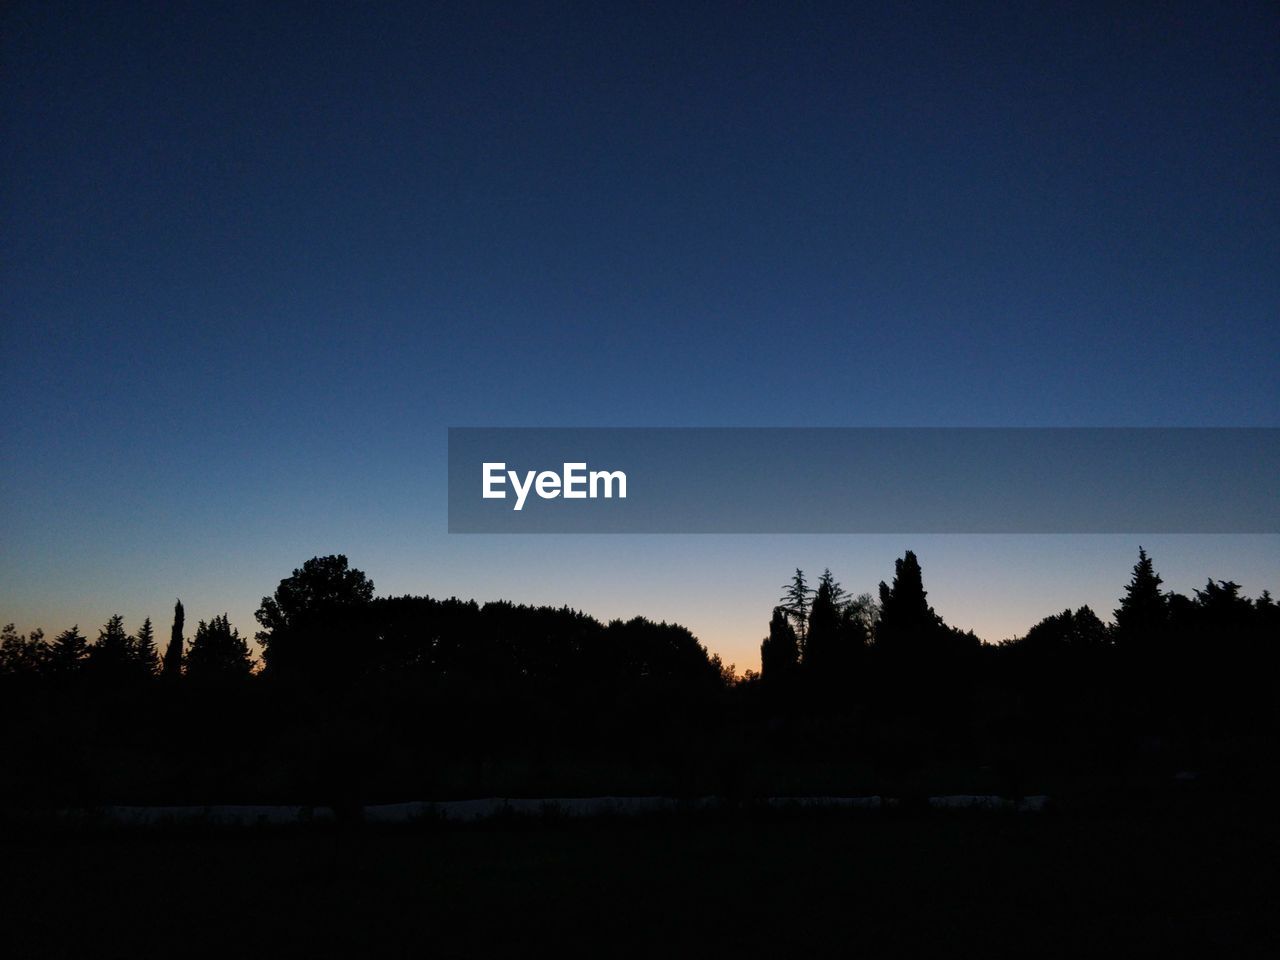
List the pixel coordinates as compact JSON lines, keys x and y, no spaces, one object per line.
{"x":864,"y":480}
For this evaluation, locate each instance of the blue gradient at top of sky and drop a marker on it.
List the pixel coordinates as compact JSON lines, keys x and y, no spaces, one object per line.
{"x":255,"y":258}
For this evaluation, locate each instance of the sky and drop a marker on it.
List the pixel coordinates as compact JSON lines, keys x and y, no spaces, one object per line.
{"x":255,"y":259}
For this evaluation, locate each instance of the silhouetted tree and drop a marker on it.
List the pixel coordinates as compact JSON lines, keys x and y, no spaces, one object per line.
{"x":819,"y":654}
{"x":218,"y":653}
{"x":839,"y":595}
{"x":728,"y":672}
{"x":112,"y":657}
{"x":144,"y":649}
{"x":1081,"y":630}
{"x":68,"y":652}
{"x":173,"y":653}
{"x":795,"y":603}
{"x":1268,"y":614}
{"x":1224,"y":607}
{"x":853,"y":633}
{"x":316,"y":620}
{"x":662,"y":655}
{"x":780,"y":651}
{"x":22,"y":654}
{"x":926,"y":668}
{"x":907,"y":622}
{"x":1143,"y":612}
{"x":866,"y":611}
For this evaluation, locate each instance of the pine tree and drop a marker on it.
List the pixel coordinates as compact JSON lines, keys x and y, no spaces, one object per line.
{"x":144,"y":649}
{"x":173,"y":653}
{"x":1143,"y":612}
{"x":839,"y":595}
{"x":68,"y":652}
{"x":111,"y":655}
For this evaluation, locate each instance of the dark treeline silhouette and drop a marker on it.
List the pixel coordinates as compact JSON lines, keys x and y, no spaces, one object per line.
{"x":359,"y":698}
{"x":1173,"y":682}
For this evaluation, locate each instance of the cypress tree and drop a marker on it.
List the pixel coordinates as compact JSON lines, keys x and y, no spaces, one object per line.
{"x":906,"y":619}
{"x":824,"y":621}
{"x":780,"y":651}
{"x":173,"y":653}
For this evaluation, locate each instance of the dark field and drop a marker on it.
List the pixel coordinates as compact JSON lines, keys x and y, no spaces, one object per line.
{"x":887,"y":885}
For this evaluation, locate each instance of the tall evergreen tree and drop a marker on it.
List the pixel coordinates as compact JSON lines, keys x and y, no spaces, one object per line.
{"x":173,"y":653}
{"x":1143,"y":612}
{"x":111,"y":656}
{"x":795,"y":603}
{"x":144,"y":649}
{"x":906,"y":620}
{"x":780,"y":651}
{"x":68,"y":652}
{"x":839,"y":595}
{"x":819,"y":654}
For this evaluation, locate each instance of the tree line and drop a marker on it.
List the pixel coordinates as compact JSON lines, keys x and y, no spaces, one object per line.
{"x":1165,"y":661}
{"x":216,"y":653}
{"x":325,"y":622}
{"x":824,"y":632}
{"x":356,"y":695}
{"x":816,"y":630}
{"x":323,"y":626}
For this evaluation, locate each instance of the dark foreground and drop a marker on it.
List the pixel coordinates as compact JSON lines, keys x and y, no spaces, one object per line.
{"x":885,"y":885}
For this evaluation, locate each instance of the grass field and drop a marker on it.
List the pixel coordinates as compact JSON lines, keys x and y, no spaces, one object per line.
{"x":942,"y":885}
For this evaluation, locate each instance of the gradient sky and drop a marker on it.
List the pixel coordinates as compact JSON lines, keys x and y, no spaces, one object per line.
{"x":256,"y":258}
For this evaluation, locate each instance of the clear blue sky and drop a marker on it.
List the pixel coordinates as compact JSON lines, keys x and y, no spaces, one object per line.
{"x":255,"y":258}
